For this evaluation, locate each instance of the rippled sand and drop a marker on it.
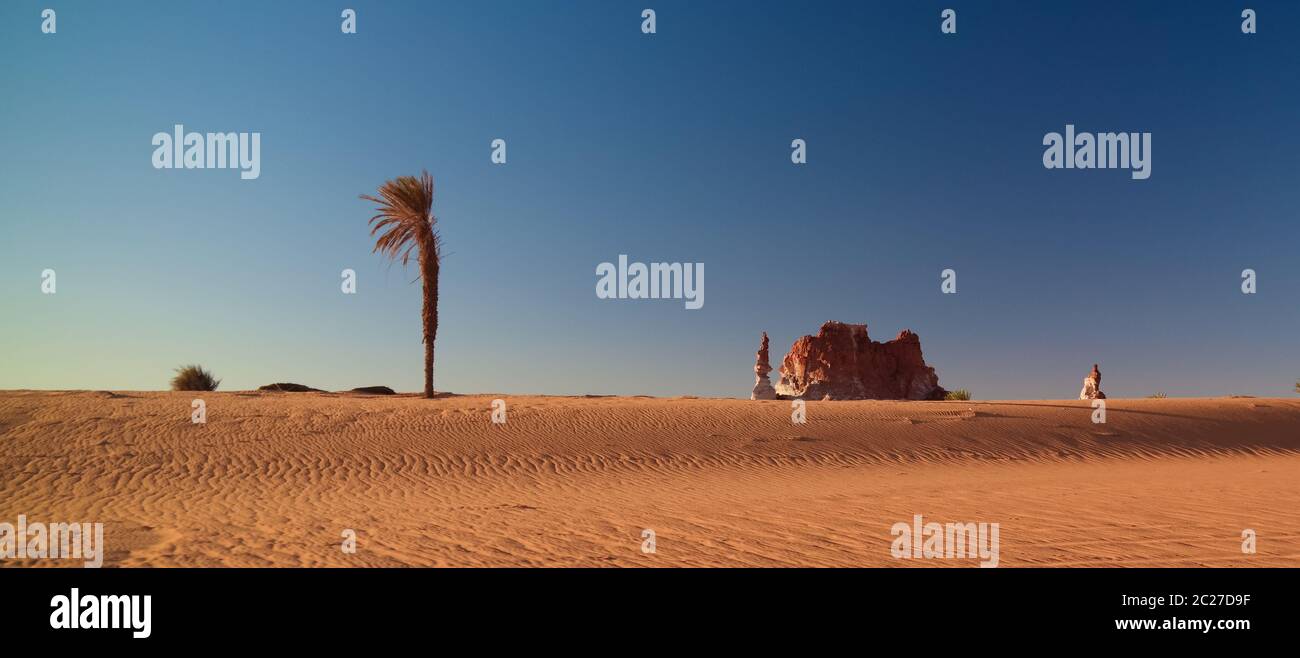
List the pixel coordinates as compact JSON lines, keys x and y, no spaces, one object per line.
{"x":273,"y":479}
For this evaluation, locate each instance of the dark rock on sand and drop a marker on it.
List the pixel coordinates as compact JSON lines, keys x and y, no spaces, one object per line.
{"x":289,"y":388}
{"x":374,"y":390}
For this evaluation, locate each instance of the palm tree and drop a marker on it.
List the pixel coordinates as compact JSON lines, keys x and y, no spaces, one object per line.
{"x":405,"y":215}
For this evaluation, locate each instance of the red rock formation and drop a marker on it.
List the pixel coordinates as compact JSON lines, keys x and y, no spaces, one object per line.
{"x":842,"y":362}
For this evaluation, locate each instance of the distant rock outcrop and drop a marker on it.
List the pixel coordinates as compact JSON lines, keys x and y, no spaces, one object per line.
{"x":374,"y":390}
{"x":842,"y":362}
{"x":289,"y":388}
{"x":762,"y":385}
{"x":1092,"y":386}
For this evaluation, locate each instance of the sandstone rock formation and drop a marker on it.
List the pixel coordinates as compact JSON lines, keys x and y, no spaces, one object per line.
{"x":843,"y":362}
{"x":1092,"y":386}
{"x":762,"y":385}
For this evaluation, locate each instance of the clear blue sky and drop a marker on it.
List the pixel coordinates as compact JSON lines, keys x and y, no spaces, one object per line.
{"x":925,"y":153}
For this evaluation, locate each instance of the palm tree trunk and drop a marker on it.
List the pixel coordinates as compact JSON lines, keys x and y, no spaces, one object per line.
{"x":429,"y":274}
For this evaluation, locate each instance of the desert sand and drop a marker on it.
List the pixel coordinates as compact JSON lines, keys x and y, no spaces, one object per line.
{"x":273,"y":479}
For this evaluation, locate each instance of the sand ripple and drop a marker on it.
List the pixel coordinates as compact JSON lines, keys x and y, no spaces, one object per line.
{"x":272,"y":479}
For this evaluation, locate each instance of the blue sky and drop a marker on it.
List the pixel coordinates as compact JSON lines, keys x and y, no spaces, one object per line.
{"x":924,"y":153}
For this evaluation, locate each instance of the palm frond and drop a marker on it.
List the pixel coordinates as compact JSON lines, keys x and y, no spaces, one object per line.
{"x":404,"y":218}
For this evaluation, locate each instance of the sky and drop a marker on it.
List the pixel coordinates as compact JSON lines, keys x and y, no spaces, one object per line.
{"x":924,"y":153}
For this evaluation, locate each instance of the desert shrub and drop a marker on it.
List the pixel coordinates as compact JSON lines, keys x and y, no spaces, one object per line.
{"x":194,"y":378}
{"x":959,"y":394}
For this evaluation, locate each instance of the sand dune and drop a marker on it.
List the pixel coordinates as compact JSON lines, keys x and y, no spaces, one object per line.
{"x":272,"y":479}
